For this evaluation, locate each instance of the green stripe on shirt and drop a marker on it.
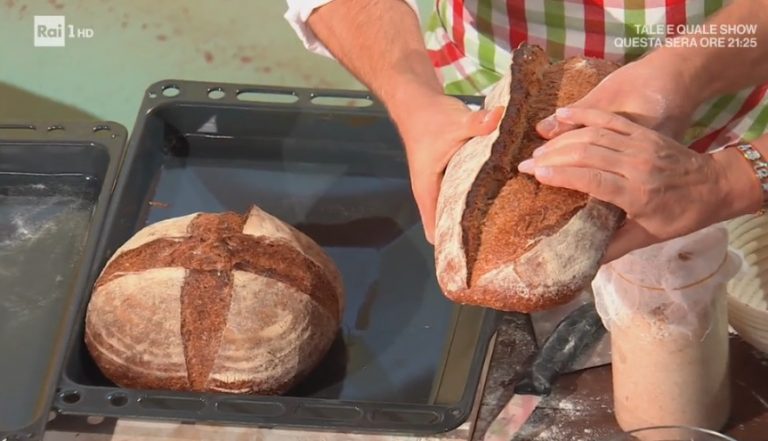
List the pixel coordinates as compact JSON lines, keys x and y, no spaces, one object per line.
{"x":554,"y":18}
{"x":715,"y":109}
{"x":446,"y":17}
{"x":487,"y":47}
{"x":433,"y":22}
{"x":702,"y":124}
{"x":475,"y":83}
{"x":712,"y":6}
{"x":758,"y":126}
{"x":634,"y":17}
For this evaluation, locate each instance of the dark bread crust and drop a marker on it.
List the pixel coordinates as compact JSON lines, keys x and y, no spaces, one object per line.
{"x":526,"y":246}
{"x":203,"y":320}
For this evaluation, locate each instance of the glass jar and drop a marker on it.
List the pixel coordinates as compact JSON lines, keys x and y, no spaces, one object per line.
{"x":666,"y":309}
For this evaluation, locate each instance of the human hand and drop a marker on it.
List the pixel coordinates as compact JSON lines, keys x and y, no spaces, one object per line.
{"x":650,"y":91}
{"x":433,"y":129}
{"x":666,"y":189}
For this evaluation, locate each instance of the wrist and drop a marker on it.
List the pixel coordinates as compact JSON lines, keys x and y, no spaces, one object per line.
{"x":409,"y":98}
{"x":741,"y":191}
{"x":408,"y":95}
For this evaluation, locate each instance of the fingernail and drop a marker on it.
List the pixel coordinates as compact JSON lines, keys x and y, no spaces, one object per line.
{"x":548,"y":125}
{"x":526,"y":166}
{"x":429,"y":235}
{"x":489,"y":112}
{"x":563,"y":112}
{"x":543,"y":172}
{"x":538,"y":152}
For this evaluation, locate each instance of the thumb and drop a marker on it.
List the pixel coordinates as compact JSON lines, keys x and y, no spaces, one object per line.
{"x":482,"y":122}
{"x":425,"y":190}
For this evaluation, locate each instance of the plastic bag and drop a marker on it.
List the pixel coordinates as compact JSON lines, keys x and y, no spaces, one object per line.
{"x":669,"y":285}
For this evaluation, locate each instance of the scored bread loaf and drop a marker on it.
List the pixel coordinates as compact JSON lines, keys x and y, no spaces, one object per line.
{"x":214,"y":302}
{"x":502,"y":239}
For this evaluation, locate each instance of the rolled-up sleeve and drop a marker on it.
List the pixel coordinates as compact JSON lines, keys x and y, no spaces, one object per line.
{"x":298,"y":13}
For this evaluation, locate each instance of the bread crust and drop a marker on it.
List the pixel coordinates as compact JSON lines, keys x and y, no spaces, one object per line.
{"x":502,"y":239}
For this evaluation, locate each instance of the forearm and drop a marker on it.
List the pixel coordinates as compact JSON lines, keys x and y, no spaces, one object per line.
{"x":380,"y":42}
{"x":717,"y":65}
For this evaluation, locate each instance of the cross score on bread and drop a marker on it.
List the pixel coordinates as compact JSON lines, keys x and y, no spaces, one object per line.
{"x":215,"y":302}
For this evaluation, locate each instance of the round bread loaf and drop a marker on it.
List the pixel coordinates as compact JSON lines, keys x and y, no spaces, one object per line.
{"x":214,"y":302}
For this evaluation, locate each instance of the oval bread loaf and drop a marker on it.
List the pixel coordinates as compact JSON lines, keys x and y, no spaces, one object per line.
{"x":214,"y":302}
{"x":502,"y":239}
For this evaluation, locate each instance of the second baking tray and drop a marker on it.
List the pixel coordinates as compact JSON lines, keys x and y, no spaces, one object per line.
{"x":407,"y":360}
{"x":56,"y":181}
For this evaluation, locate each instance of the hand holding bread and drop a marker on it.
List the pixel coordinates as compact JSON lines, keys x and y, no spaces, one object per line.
{"x":432,"y":131}
{"x":652,"y":177}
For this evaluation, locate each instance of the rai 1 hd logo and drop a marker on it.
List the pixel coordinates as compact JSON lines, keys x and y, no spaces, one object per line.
{"x":53,"y":31}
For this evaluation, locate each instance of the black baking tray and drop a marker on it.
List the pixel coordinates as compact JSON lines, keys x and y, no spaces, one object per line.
{"x":56,"y":181}
{"x":407,"y":360}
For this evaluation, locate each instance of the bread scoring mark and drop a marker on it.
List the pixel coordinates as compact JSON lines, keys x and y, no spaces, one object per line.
{"x":262,"y":224}
{"x":205,"y":300}
{"x":524,"y":210}
{"x":275,"y":259}
{"x":167,"y":229}
{"x":462,"y":170}
{"x":157,"y":253}
{"x":507,"y":150}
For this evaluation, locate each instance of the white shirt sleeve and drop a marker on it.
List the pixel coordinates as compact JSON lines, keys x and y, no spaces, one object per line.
{"x":298,"y":13}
